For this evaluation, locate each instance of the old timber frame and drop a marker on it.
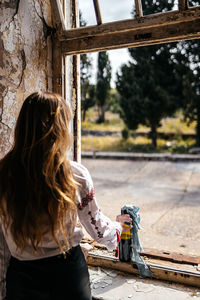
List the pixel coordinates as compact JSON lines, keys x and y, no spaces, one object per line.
{"x":171,"y":26}
{"x":65,"y":15}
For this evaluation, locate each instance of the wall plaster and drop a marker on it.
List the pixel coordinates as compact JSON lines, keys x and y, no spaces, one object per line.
{"x":25,"y":58}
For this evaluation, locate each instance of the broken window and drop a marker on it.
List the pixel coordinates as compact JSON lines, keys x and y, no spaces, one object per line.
{"x":70,"y":41}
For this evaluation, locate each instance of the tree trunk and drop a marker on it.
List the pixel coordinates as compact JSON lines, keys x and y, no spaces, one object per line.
{"x":101,"y":114}
{"x":154,"y":136}
{"x":198,"y":125}
{"x":84,"y":114}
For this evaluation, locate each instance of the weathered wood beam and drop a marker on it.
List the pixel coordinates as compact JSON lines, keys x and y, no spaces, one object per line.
{"x":76,"y":89}
{"x":97,"y":12}
{"x":171,"y":256}
{"x":57,"y":65}
{"x":138,"y":8}
{"x":152,"y":29}
{"x":155,"y":20}
{"x":160,"y":271}
{"x":58,"y":17}
{"x":183,"y":4}
{"x":134,"y":37}
{"x":57,"y":60}
{"x":153,"y":253}
{"x":77,"y":108}
{"x":74,"y":14}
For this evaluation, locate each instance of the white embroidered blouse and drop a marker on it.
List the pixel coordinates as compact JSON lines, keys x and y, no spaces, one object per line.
{"x":100,"y":228}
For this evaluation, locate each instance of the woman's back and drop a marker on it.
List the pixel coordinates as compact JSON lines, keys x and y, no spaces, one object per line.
{"x":36,"y":179}
{"x":43,"y":197}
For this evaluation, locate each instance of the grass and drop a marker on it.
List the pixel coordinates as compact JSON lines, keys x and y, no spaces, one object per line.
{"x":112,"y":123}
{"x":138,"y":143}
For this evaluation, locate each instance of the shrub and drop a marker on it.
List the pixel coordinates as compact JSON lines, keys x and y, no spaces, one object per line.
{"x":125,"y":133}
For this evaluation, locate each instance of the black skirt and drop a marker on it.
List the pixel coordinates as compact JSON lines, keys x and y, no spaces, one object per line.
{"x":53,"y":278}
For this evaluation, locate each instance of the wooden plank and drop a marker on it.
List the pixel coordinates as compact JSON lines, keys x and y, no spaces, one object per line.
{"x":134,"y":38}
{"x":153,"y":253}
{"x":97,"y":12}
{"x":168,"y":273}
{"x":183,"y":4}
{"x":77,"y":108}
{"x":171,"y":256}
{"x":58,"y":16}
{"x":56,"y":65}
{"x":58,"y":23}
{"x":76,"y":90}
{"x":149,"y":21}
{"x":74,"y":15}
{"x":138,"y":8}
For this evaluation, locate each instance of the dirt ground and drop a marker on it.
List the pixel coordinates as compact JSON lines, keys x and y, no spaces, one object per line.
{"x":168,"y":194}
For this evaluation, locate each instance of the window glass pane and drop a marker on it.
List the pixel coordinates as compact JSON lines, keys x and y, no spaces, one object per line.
{"x":110,"y":10}
{"x":86,"y":8}
{"x":158,"y":6}
{"x":194,"y":2}
{"x":117,"y":58}
{"x":115,"y":10}
{"x":120,"y":10}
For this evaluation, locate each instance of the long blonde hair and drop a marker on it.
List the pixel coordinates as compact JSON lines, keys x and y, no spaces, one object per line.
{"x":37,"y":187}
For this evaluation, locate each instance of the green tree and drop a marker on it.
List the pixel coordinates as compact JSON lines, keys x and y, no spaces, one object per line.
{"x":87,"y":90}
{"x":190,"y":79}
{"x":187,"y":79}
{"x":113,"y":101}
{"x":191,"y":86}
{"x":103,"y":83}
{"x":146,"y":84}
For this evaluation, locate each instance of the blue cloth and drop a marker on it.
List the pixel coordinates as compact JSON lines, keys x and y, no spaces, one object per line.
{"x":135,"y":242}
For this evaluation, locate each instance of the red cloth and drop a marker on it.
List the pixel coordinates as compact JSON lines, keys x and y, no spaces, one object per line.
{"x":118,"y":240}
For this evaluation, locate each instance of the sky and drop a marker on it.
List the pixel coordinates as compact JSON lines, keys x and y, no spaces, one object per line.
{"x":111,"y":10}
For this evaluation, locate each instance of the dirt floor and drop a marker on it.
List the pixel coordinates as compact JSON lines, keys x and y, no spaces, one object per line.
{"x":111,"y":285}
{"x":168,"y":194}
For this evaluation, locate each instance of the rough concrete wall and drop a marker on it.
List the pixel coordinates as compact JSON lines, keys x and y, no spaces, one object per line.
{"x":25,"y":58}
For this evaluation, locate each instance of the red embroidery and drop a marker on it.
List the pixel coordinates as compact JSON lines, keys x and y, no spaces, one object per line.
{"x":88,"y":198}
{"x":93,"y":221}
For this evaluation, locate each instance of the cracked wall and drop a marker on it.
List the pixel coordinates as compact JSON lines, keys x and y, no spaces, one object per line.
{"x":25,"y":58}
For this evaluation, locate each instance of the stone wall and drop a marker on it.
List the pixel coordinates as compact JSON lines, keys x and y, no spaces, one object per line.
{"x":25,"y":58}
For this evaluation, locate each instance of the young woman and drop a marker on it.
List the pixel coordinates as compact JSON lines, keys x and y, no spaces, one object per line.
{"x":43,"y":196}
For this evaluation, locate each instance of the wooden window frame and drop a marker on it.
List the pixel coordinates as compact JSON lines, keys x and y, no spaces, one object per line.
{"x":172,"y":26}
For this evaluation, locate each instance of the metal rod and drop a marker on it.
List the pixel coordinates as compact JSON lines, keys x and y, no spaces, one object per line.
{"x":138,"y":8}
{"x":97,"y":12}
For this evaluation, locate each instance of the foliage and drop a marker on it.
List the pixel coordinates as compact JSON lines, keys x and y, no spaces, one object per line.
{"x":148,"y":85}
{"x":113,"y":101}
{"x":103,"y":83}
{"x":125,"y":133}
{"x":176,"y":144}
{"x":191,"y":85}
{"x":87,"y":90}
{"x":175,"y":125}
{"x":112,"y":123}
{"x":139,"y":144}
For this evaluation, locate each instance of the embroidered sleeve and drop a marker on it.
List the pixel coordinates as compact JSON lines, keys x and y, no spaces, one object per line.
{"x":4,"y":261}
{"x":99,"y":226}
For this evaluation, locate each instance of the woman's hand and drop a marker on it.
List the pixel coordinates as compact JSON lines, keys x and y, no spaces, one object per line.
{"x":125,"y":221}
